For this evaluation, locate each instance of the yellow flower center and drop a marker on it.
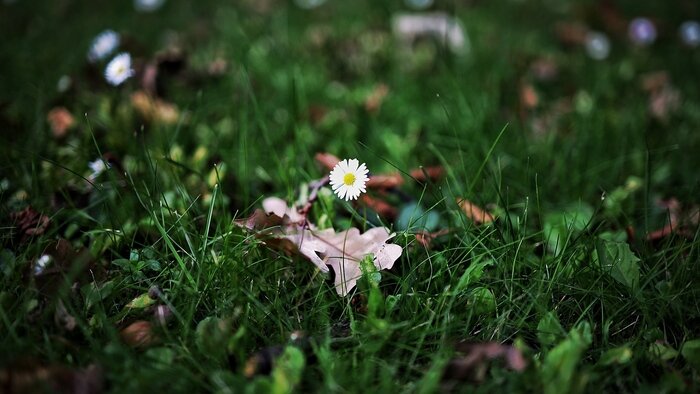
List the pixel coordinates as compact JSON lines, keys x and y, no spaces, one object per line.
{"x":349,"y":179}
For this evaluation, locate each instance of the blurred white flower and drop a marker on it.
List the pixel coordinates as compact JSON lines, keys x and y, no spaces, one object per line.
{"x":642,"y":31}
{"x":119,"y":69}
{"x":97,"y":167}
{"x":438,"y":25}
{"x":41,"y":264}
{"x":348,"y":179}
{"x":103,"y":45}
{"x":597,"y":45}
{"x":690,"y":33}
{"x":148,"y":5}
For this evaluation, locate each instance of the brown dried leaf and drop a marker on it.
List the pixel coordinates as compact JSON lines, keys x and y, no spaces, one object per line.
{"x":385,"y":181}
{"x":528,"y":97}
{"x":474,"y":362}
{"x":154,"y":109}
{"x":28,"y":376}
{"x":571,"y":33}
{"x":138,"y":334}
{"x":29,"y":222}
{"x":375,"y":99}
{"x":473,"y":212}
{"x":379,"y":206}
{"x":62,"y":318}
{"x":60,"y":121}
{"x":342,"y":251}
{"x":327,"y":160}
{"x":425,"y":173}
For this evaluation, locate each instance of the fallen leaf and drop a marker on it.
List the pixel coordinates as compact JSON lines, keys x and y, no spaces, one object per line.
{"x":528,"y":97}
{"x":425,"y":173}
{"x":544,"y":69}
{"x":426,"y":238}
{"x":138,"y":334}
{"x":379,"y":206}
{"x":384,"y":181}
{"x":327,"y":160}
{"x":62,"y":318}
{"x":475,"y":359}
{"x":342,"y":251}
{"x":375,"y":99}
{"x":473,"y":212}
{"x":571,"y":33}
{"x":154,"y":109}
{"x":30,"y":222}
{"x":28,"y":376}
{"x":60,"y":121}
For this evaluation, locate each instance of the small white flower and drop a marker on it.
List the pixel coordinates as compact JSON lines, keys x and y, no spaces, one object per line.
{"x":119,"y":69}
{"x":348,"y":179}
{"x":104,"y":44}
{"x":597,"y":45}
{"x":41,"y":264}
{"x":97,"y":167}
{"x":690,"y":33}
{"x":148,"y":5}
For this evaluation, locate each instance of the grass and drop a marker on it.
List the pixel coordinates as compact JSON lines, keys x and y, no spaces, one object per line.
{"x":557,"y":275}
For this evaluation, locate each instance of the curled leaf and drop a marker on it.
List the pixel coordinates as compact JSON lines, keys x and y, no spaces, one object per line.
{"x":154,"y":109}
{"x":473,"y":212}
{"x":138,"y":334}
{"x":474,"y":360}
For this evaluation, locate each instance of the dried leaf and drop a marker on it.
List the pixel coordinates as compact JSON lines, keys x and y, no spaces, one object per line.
{"x":528,"y":97}
{"x":327,"y":160}
{"x":62,"y":318}
{"x":342,"y":251}
{"x":154,"y":109}
{"x":29,"y":222}
{"x":473,"y":212}
{"x":379,"y":206}
{"x":475,"y":359}
{"x":425,"y":173}
{"x":138,"y":334}
{"x":375,"y":99}
{"x":571,"y":33}
{"x":60,"y":120}
{"x":27,"y":376}
{"x":385,"y":181}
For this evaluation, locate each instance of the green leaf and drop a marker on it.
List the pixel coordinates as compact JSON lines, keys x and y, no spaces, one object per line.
{"x":482,"y":301}
{"x":288,"y":370}
{"x":549,"y":330}
{"x":95,"y":293}
{"x":559,"y":370}
{"x":558,"y":227}
{"x":617,"y":260}
{"x":140,"y":302}
{"x":691,"y":353}
{"x":662,"y":352}
{"x":212,"y":335}
{"x":618,"y":355}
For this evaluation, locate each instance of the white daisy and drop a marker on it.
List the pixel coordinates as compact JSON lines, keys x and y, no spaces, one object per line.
{"x":104,"y":44}
{"x":119,"y":69}
{"x":348,"y":179}
{"x":148,"y":5}
{"x":690,"y":33}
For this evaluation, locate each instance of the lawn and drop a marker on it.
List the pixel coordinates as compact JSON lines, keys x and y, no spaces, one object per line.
{"x":530,"y":221}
